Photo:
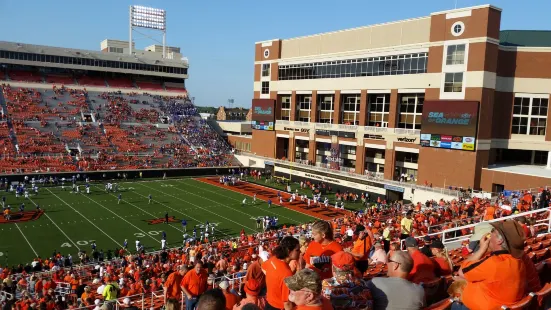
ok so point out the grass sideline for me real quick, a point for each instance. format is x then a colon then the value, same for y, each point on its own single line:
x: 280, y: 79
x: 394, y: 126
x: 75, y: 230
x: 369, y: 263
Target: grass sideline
x: 72, y: 221
x: 349, y: 205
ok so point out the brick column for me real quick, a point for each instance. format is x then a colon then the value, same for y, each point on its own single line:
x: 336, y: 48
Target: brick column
x: 360, y: 159
x: 314, y: 107
x: 312, y: 151
x: 389, y: 163
x: 363, y: 108
x: 292, y: 148
x: 548, y: 130
x: 337, y: 108
x: 393, y: 112
x: 293, y: 116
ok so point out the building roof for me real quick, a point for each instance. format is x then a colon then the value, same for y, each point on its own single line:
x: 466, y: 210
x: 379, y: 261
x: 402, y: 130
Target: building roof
x: 531, y: 38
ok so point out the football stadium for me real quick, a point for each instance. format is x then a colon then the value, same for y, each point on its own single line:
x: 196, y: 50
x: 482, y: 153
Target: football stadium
x: 403, y: 165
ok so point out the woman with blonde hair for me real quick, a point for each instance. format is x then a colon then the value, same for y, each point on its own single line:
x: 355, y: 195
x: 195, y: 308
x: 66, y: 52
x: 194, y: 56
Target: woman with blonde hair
x: 443, y: 263
x: 321, y: 248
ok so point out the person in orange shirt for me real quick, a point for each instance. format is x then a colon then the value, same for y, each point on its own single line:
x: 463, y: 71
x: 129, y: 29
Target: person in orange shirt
x: 305, y: 291
x: 490, y: 212
x: 172, y: 285
x: 423, y: 267
x: 276, y: 269
x: 361, y: 247
x: 231, y: 299
x: 319, y: 251
x: 194, y: 284
x: 499, y: 279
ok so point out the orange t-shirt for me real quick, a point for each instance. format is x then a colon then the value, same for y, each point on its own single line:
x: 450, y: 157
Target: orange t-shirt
x: 276, y: 271
x: 173, y: 285
x: 319, y: 256
x: 442, y: 266
x: 490, y: 211
x: 423, y: 268
x: 495, y: 281
x: 195, y: 283
x: 362, y: 247
x: 231, y: 300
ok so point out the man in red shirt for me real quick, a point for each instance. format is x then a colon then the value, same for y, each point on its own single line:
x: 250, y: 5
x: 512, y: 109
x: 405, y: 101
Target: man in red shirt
x: 194, y: 284
x: 423, y: 267
x: 231, y: 299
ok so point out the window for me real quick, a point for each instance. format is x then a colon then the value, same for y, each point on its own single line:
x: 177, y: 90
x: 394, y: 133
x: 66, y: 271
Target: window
x: 411, y: 111
x: 455, y: 55
x: 351, y: 109
x: 530, y: 116
x: 379, y: 107
x: 265, y: 69
x: 348, y: 149
x: 286, y: 108
x: 540, y: 157
x: 407, y: 157
x: 458, y: 28
x: 325, y: 108
x: 374, y: 66
x: 304, y: 104
x: 453, y: 82
x: 265, y: 88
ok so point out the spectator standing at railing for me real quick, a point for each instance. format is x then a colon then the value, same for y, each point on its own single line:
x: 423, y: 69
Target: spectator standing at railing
x: 194, y: 284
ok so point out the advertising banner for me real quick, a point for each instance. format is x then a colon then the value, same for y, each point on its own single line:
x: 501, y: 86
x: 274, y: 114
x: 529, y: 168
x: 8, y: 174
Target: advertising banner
x: 263, y: 115
x: 450, y: 124
x: 335, y: 158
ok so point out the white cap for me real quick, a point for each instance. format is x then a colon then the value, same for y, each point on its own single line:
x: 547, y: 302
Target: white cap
x: 96, y: 302
x: 224, y: 284
x: 264, y: 255
x: 126, y: 301
x: 244, y: 266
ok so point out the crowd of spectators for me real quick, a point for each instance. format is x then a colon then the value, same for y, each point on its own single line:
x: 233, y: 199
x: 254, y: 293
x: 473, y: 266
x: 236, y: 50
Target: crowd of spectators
x: 340, y: 264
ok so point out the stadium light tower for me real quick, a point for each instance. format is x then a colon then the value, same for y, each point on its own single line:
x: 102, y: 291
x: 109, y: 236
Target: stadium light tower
x: 149, y: 18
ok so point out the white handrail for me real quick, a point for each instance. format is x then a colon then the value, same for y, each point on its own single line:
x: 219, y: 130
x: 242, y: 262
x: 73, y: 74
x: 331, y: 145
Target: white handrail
x: 442, y: 234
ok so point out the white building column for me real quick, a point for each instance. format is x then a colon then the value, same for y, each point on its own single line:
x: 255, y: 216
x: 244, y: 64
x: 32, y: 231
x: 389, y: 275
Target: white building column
x: 549, y: 160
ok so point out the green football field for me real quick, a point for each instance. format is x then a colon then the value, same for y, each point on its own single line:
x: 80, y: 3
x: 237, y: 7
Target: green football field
x: 73, y: 220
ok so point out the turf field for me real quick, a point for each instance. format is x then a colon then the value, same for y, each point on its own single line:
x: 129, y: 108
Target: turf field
x: 71, y: 221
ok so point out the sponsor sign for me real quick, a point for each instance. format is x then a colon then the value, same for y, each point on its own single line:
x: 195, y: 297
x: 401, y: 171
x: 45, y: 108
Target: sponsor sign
x: 262, y: 125
x: 263, y: 114
x: 305, y: 130
x: 457, y: 145
x: 346, y: 134
x: 375, y: 137
x: 450, y: 124
x: 407, y: 140
x: 394, y: 188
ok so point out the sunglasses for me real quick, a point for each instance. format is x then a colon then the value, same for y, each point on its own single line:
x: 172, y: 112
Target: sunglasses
x: 393, y: 261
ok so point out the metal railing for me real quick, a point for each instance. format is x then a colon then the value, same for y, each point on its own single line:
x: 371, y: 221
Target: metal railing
x: 449, y: 235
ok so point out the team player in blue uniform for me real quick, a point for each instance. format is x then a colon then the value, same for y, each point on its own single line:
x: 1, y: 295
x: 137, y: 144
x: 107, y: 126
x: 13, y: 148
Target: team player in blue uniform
x: 184, y: 224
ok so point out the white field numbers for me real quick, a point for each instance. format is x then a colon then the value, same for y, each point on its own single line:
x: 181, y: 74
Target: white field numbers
x: 84, y: 242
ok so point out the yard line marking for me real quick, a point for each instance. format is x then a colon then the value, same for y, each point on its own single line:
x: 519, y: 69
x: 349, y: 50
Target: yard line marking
x: 254, y: 230
x: 263, y: 209
x: 152, y: 215
x: 99, y: 204
x: 175, y: 210
x: 22, y: 234
x: 218, y: 203
x: 84, y: 217
x: 56, y: 225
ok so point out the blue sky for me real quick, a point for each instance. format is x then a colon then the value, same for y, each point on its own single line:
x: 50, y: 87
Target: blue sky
x: 218, y: 36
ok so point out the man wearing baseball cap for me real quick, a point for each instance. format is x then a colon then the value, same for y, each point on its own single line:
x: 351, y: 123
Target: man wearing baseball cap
x: 346, y: 279
x: 500, y: 278
x: 305, y: 291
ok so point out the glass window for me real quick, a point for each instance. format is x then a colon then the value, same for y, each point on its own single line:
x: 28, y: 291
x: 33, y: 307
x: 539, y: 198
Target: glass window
x: 286, y: 108
x: 265, y: 88
x: 455, y: 54
x: 529, y: 116
x: 379, y: 107
x: 411, y: 111
x: 265, y: 69
x: 453, y: 82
